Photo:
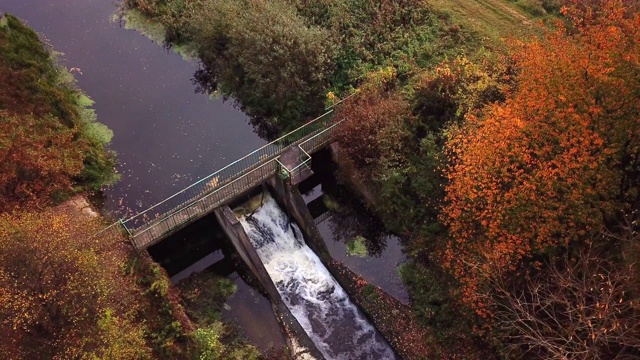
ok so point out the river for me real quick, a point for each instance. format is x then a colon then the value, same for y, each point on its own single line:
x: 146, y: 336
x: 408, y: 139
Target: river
x: 165, y: 134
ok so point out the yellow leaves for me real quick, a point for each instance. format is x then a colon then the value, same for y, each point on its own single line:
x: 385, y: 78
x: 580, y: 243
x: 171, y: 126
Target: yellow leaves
x: 51, y: 280
x: 331, y: 98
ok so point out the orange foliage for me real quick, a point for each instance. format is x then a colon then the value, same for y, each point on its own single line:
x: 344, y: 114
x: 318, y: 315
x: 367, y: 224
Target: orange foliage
x: 62, y: 291
x: 550, y: 164
x: 38, y: 158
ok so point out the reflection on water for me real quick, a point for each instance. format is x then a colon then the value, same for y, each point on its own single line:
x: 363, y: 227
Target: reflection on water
x: 166, y: 136
x: 253, y: 313
x: 201, y: 249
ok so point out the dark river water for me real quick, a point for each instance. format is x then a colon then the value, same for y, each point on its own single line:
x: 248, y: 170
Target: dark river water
x: 166, y: 136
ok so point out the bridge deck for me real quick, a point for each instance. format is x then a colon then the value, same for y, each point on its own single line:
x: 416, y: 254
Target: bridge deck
x: 171, y: 222
x: 291, y: 160
x: 289, y: 156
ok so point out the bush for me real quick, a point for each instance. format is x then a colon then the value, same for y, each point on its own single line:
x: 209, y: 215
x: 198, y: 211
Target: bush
x: 279, y: 77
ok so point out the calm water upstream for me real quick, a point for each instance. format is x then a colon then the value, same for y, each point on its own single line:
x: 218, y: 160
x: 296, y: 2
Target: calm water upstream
x: 166, y: 136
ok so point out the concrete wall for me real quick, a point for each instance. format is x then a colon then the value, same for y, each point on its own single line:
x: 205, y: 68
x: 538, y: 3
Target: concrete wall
x: 288, y: 323
x: 347, y: 169
x: 290, y: 198
x: 240, y: 240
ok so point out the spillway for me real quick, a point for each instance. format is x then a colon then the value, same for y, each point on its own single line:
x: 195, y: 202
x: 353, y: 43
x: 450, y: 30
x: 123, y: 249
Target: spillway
x: 335, y: 325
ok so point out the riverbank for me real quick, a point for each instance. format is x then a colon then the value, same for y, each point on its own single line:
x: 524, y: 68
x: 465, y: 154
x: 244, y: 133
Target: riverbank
x: 395, y: 320
x: 51, y: 143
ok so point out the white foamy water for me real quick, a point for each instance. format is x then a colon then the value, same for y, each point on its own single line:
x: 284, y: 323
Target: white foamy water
x: 321, y: 306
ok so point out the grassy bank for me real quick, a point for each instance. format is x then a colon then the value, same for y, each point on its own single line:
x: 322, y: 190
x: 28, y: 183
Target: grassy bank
x: 51, y: 144
x: 494, y: 19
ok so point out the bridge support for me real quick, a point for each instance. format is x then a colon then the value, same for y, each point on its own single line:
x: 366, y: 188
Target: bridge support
x: 240, y: 240
x: 288, y: 195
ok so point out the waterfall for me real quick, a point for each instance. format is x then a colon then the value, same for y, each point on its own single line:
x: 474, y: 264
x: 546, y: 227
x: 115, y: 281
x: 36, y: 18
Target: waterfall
x: 335, y: 325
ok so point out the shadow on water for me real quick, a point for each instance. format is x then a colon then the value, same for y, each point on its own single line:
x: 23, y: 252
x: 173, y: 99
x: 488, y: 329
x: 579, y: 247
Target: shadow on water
x: 201, y: 249
x: 354, y: 235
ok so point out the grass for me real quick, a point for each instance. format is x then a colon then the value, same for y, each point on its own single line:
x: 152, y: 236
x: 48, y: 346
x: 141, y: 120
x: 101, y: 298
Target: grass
x: 493, y: 19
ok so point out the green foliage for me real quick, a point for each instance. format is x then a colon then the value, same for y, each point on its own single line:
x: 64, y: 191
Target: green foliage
x: 119, y: 339
x: 279, y: 77
x: 204, y: 296
x: 375, y: 34
x: 413, y: 190
x: 357, y: 247
x: 431, y: 297
x: 210, y: 346
x: 156, y: 31
x: 159, y: 283
x: 539, y: 8
x: 369, y: 291
x: 227, y: 287
x: 331, y: 203
x: 167, y: 326
x: 208, y: 341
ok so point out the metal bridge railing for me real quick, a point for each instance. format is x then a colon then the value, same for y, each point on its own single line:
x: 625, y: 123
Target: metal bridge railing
x: 147, y: 236
x: 308, y: 146
x: 213, y: 190
x: 208, y: 184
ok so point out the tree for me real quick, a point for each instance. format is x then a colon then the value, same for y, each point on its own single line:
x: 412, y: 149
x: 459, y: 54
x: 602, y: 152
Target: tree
x: 265, y: 56
x: 557, y: 160
x: 38, y: 159
x: 62, y: 293
x: 585, y: 307
x: 49, y: 133
x: 375, y: 125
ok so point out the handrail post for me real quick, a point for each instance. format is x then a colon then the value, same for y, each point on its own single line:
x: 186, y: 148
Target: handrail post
x: 125, y: 227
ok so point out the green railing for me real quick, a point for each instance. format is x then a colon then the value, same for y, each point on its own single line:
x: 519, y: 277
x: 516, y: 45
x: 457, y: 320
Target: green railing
x: 214, y: 190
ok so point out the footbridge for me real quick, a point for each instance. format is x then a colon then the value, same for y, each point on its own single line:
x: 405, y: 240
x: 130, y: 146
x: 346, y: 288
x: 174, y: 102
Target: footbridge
x: 288, y: 157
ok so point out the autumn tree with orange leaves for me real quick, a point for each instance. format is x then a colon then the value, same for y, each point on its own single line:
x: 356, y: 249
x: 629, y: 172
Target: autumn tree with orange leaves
x: 555, y: 163
x: 62, y: 290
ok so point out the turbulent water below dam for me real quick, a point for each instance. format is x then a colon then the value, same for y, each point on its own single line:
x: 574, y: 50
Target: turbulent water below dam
x: 335, y: 325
